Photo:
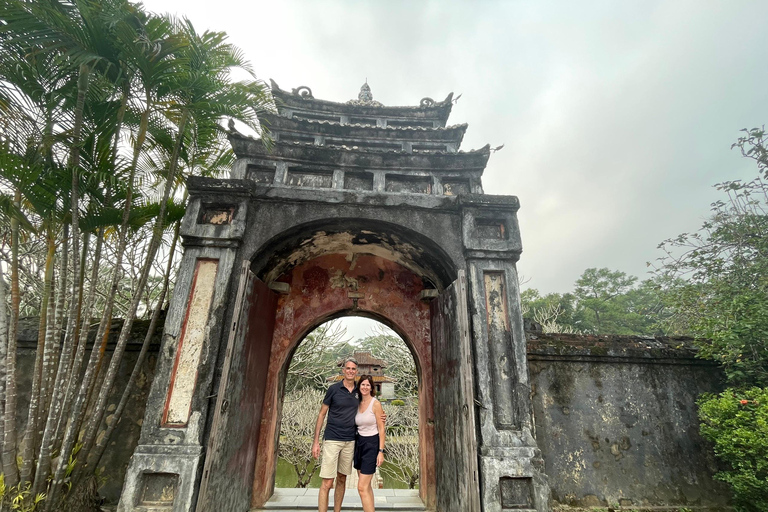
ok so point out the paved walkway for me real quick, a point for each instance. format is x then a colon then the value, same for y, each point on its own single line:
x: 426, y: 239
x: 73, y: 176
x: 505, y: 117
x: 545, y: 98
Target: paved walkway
x: 401, y: 500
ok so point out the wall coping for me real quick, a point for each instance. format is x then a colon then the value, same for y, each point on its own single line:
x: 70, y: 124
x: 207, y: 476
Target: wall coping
x: 677, y: 350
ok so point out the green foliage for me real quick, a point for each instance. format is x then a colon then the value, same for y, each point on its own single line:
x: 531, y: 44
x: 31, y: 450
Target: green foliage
x: 722, y: 271
x: 720, y: 294
x: 603, y: 302
x: 736, y: 422
x: 105, y: 109
x: 397, y: 403
x: 18, y: 497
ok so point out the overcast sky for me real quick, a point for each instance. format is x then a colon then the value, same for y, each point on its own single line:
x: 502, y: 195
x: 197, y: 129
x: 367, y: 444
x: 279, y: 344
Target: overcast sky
x: 617, y: 117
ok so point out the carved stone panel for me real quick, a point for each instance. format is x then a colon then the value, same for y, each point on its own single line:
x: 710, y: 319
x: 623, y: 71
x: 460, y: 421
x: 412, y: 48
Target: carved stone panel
x: 503, y: 373
x: 516, y: 493
x: 159, y: 489
x: 184, y: 376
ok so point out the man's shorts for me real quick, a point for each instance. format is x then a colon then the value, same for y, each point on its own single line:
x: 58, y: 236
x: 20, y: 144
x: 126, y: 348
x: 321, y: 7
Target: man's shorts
x: 337, y: 457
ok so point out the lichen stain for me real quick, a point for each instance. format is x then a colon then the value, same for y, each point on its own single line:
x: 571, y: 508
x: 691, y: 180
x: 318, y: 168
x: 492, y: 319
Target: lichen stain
x: 575, y: 466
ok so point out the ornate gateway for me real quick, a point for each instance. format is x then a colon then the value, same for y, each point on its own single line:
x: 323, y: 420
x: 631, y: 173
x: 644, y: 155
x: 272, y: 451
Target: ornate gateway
x: 357, y: 209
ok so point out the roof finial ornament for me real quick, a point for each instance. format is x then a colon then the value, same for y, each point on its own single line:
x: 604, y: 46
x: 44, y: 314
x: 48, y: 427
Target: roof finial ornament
x: 365, y: 97
x: 303, y: 91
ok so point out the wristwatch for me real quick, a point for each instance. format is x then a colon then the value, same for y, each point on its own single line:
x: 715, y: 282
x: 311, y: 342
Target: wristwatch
x: 382, y: 450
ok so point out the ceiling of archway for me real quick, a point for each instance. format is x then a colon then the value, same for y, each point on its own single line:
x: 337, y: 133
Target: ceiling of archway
x: 351, y: 243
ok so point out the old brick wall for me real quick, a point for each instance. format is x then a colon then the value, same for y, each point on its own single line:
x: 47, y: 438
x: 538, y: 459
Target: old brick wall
x: 616, y: 420
x: 126, y: 436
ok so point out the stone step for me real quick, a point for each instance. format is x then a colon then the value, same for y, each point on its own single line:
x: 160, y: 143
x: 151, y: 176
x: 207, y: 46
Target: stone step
x: 401, y: 500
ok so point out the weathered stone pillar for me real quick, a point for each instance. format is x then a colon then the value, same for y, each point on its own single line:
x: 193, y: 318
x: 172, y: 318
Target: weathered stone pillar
x: 166, y: 465
x: 511, y: 468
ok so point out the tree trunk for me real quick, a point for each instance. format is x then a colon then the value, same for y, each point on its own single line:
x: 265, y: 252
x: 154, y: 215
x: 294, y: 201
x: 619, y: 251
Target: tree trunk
x: 82, y: 88
x: 49, y: 356
x: 84, y: 329
x: 48, y: 441
x: 9, y: 440
x: 31, y: 434
x: 3, y: 354
x: 95, y: 457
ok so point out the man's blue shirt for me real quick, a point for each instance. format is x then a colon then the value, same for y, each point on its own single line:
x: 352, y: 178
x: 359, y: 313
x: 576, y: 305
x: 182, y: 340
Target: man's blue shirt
x: 342, y: 408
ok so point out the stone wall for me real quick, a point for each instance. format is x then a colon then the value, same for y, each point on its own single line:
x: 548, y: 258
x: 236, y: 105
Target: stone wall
x: 126, y: 436
x: 616, y: 420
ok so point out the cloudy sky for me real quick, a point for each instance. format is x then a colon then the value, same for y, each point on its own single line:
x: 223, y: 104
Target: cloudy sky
x: 617, y: 117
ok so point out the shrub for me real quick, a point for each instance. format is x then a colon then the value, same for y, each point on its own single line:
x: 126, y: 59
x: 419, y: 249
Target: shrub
x: 736, y: 421
x: 397, y: 403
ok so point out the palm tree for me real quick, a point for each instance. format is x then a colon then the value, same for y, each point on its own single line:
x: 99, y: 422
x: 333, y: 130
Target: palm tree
x: 76, y: 77
x: 200, y: 94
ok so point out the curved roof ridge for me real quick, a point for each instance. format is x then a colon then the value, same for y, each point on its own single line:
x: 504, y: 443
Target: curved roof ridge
x: 359, y: 125
x: 484, y: 149
x: 305, y: 93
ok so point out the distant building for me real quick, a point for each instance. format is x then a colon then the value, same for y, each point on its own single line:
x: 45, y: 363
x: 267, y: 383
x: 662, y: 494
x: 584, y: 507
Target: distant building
x: 373, y: 366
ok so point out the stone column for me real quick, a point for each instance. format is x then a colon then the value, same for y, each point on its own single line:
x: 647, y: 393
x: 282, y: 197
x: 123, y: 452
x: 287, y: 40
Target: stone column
x: 164, y: 470
x: 511, y: 468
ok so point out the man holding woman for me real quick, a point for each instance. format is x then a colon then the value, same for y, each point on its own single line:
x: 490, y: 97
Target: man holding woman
x: 343, y: 404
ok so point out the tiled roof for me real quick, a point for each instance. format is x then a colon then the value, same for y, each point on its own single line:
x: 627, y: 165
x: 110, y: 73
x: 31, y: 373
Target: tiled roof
x: 401, y: 128
x: 484, y: 149
x: 365, y: 357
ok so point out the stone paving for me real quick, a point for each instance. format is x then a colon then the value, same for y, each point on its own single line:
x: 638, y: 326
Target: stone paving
x: 401, y: 500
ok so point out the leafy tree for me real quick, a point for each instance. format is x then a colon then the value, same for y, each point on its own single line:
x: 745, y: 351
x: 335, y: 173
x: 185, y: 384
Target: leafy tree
x: 720, y: 293
x: 599, y: 292
x: 736, y: 422
x: 104, y: 109
x: 555, y: 312
x: 604, y: 302
x: 723, y: 271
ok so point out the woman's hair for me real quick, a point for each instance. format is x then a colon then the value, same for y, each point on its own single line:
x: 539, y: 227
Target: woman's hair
x: 370, y: 381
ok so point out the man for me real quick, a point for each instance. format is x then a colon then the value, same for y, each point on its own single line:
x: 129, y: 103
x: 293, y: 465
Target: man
x: 340, y: 404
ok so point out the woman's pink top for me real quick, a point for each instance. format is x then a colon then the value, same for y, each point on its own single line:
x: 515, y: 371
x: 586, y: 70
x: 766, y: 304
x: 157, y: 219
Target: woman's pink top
x: 366, y: 421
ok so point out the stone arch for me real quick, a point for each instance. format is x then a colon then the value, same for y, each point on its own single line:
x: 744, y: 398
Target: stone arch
x: 337, y: 283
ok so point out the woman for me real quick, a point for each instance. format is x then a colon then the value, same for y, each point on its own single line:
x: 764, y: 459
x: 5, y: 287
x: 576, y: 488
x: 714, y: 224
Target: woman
x: 369, y: 444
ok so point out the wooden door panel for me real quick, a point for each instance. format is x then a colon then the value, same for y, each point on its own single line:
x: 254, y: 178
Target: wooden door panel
x: 455, y: 437
x: 230, y: 460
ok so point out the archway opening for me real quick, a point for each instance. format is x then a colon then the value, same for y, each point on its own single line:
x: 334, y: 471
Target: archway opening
x: 316, y: 364
x: 327, y: 276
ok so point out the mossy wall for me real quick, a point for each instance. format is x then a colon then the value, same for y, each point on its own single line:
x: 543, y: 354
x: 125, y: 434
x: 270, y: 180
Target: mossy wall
x: 616, y: 420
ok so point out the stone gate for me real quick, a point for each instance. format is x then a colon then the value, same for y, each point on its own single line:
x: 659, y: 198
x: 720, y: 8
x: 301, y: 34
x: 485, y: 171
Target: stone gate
x: 357, y: 209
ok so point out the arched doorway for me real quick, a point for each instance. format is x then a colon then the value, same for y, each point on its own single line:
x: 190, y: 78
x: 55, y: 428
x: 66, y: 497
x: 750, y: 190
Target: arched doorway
x: 320, y: 290
x: 315, y: 365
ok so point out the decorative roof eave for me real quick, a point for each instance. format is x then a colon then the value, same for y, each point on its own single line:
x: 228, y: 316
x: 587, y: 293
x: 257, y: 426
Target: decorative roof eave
x: 454, y: 133
x: 301, y: 98
x: 475, y: 160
